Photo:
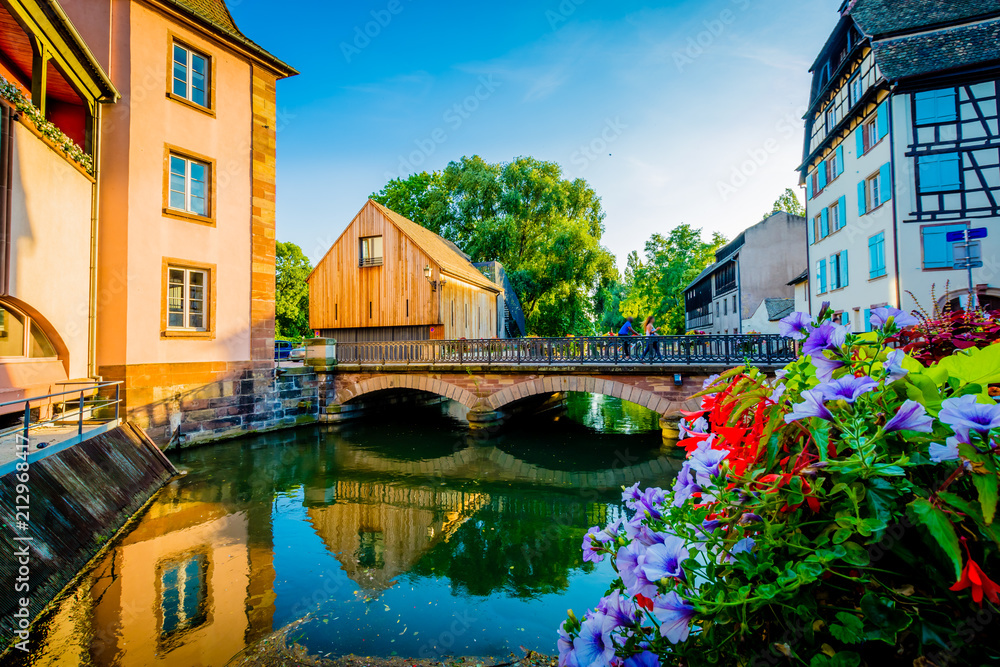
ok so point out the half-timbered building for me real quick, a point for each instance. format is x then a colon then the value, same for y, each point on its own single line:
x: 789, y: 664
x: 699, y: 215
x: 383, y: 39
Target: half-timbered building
x: 388, y: 278
x: 902, y: 146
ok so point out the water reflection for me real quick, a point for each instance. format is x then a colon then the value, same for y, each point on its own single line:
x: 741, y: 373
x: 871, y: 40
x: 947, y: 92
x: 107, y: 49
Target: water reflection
x: 379, y: 540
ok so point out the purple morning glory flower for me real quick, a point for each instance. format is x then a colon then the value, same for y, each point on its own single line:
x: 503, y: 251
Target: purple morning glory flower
x: 911, y: 416
x: 629, y: 561
x: 631, y: 495
x: 674, y: 615
x: 778, y: 392
x: 947, y: 452
x: 709, y: 381
x: 621, y: 610
x: 650, y: 501
x: 706, y: 462
x: 893, y: 365
x: 847, y: 388
x: 748, y: 518
x: 881, y: 316
x: 795, y: 326
x: 966, y: 414
x: 590, y: 554
x: 811, y: 406
x: 825, y: 366
x: 685, y: 485
x: 644, y: 659
x: 594, y: 646
x: 664, y: 560
x: 745, y: 545
x: 567, y: 656
x: 826, y: 336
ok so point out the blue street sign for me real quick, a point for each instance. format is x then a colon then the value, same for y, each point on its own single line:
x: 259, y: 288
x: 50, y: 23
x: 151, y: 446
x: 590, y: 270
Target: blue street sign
x: 957, y: 237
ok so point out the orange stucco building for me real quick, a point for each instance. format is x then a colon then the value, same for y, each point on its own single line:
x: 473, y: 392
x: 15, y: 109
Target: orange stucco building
x: 186, y: 176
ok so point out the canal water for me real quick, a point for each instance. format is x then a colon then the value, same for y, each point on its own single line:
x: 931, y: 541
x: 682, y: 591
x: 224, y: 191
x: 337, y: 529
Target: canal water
x: 400, y: 537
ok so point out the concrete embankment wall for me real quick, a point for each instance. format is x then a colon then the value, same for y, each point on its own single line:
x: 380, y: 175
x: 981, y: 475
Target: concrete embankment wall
x: 78, y: 499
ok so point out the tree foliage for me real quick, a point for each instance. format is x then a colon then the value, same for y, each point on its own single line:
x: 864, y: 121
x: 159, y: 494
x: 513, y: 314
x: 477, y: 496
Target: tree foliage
x: 291, y: 302
x: 546, y: 230
x: 654, y: 284
x: 788, y: 202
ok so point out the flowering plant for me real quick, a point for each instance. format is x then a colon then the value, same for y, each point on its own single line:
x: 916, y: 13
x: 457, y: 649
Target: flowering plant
x: 45, y: 127
x: 841, y: 514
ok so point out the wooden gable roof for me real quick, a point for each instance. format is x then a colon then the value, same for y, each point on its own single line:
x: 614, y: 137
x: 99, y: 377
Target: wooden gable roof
x: 438, y: 249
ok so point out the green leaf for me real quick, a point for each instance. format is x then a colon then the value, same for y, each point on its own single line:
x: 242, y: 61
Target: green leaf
x: 974, y: 366
x: 940, y: 528
x: 856, y: 554
x: 850, y: 630
x: 986, y: 485
x: 883, y: 614
x: 842, y: 535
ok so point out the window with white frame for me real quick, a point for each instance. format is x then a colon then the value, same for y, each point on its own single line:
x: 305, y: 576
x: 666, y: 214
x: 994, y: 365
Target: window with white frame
x: 856, y: 89
x: 839, y: 275
x: 871, y: 134
x: 831, y: 117
x: 872, y: 191
x: 189, y: 185
x: 187, y: 291
x: 190, y: 75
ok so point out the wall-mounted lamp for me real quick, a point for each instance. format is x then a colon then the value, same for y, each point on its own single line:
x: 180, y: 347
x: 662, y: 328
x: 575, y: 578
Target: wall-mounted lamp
x: 434, y: 283
x: 678, y: 380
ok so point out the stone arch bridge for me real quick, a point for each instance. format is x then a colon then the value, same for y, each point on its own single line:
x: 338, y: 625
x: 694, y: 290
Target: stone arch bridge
x: 491, y: 377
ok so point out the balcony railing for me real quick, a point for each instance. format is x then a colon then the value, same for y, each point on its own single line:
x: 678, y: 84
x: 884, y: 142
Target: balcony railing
x: 75, y: 407
x: 370, y: 261
x: 759, y: 349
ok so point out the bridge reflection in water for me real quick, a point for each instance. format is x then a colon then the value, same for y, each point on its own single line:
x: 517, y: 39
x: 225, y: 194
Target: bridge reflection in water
x: 400, y: 539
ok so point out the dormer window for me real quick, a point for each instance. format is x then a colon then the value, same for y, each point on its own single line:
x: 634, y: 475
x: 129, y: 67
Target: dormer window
x: 370, y: 251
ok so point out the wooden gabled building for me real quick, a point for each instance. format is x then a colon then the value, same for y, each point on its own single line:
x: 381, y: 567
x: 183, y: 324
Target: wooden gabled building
x: 388, y: 278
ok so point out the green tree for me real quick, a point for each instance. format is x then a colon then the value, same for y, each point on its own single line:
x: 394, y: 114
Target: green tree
x: 655, y: 285
x: 291, y: 301
x: 546, y: 230
x: 787, y: 203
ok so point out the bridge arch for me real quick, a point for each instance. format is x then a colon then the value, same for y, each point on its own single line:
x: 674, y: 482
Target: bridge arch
x: 589, y: 385
x: 415, y: 382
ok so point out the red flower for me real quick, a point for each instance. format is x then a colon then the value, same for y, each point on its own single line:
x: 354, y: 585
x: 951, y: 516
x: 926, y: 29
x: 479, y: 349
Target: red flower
x: 973, y: 577
x: 644, y: 602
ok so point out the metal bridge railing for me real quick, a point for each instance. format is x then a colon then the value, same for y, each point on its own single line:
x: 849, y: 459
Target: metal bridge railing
x: 656, y: 350
x: 68, y: 407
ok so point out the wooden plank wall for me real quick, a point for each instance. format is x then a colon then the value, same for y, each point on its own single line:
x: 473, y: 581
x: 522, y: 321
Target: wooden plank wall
x: 376, y: 334
x: 343, y: 295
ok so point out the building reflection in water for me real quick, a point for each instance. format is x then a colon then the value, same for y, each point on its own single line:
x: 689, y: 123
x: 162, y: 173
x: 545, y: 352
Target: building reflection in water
x: 193, y: 583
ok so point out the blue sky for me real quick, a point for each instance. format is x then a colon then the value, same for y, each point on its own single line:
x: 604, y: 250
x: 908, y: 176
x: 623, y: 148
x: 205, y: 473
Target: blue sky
x: 677, y: 111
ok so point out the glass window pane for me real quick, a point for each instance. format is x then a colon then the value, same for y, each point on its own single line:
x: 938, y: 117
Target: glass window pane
x: 180, y: 86
x: 199, y: 206
x: 40, y: 345
x: 177, y: 276
x: 196, y: 292
x: 11, y: 333
x: 197, y: 321
x: 197, y: 278
x: 198, y: 172
x: 175, y: 320
x: 198, y: 64
x: 178, y: 166
x: 198, y: 93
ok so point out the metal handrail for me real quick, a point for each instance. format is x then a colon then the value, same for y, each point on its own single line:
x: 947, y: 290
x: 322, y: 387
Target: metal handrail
x: 767, y: 349
x: 80, y: 396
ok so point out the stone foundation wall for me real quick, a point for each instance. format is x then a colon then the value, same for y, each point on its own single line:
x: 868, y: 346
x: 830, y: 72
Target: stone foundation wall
x: 188, y: 404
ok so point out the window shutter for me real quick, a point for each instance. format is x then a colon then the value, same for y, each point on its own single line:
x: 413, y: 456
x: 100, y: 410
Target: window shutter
x: 862, y: 206
x: 937, y: 250
x: 809, y: 187
x: 822, y: 175
x: 821, y: 276
x: 824, y: 223
x: 883, y: 119
x: 872, y: 260
x: 810, y: 224
x: 845, y: 275
x: 842, y: 212
x: 868, y: 319
x: 840, y: 160
x: 859, y: 135
x: 885, y: 182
